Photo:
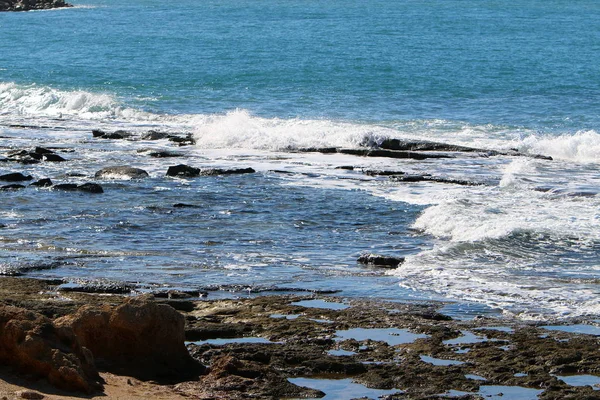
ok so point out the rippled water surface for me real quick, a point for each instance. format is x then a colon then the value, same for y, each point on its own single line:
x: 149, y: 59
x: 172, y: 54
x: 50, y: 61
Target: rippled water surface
x: 255, y: 82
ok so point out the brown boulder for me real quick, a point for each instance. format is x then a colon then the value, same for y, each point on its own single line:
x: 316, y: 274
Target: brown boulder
x: 140, y: 337
x: 33, y: 345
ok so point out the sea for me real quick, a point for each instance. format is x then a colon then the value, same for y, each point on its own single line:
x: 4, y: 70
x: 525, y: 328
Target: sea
x: 256, y: 82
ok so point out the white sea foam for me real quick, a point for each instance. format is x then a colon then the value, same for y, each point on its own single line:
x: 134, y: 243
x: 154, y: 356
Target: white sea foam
x: 498, y: 285
x: 583, y: 146
x: 39, y: 100
x: 491, y: 213
x: 239, y: 129
x: 481, y: 249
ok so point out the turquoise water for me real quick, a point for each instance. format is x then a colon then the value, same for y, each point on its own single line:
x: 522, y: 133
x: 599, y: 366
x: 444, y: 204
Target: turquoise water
x: 529, y: 64
x: 251, y: 81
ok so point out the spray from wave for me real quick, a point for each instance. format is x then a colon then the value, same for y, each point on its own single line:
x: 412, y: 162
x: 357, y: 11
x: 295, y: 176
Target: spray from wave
x: 583, y: 146
x: 240, y: 129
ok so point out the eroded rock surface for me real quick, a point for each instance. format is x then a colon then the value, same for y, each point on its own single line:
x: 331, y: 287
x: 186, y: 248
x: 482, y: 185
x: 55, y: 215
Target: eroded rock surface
x: 139, y: 337
x: 32, y: 344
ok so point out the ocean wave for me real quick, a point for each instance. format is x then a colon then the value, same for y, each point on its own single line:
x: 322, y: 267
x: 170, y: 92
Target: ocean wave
x: 36, y: 100
x: 490, y: 213
x: 582, y: 146
x: 239, y: 129
x: 33, y: 101
x: 495, y: 279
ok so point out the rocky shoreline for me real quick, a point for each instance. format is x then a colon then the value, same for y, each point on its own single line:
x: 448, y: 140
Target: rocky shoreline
x: 176, y: 345
x: 28, y: 5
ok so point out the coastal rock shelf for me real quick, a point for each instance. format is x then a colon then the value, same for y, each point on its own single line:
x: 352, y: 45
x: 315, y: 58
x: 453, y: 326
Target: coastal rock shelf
x: 28, y: 5
x: 236, y: 347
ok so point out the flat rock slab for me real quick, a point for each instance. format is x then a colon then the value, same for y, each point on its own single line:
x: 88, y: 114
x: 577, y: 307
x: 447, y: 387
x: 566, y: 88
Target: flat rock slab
x: 185, y: 171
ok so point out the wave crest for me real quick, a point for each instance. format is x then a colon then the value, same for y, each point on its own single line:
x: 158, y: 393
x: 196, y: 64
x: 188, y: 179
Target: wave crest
x: 239, y: 129
x: 583, y: 146
x: 35, y: 100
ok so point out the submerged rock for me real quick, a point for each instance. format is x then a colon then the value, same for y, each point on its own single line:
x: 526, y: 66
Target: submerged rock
x: 423, y: 145
x: 12, y: 187
x: 429, y: 178
x: 218, y: 171
x: 380, y: 261
x: 32, y: 344
x: 121, y: 172
x: 186, y: 171
x: 86, y: 187
x: 139, y: 337
x: 372, y: 172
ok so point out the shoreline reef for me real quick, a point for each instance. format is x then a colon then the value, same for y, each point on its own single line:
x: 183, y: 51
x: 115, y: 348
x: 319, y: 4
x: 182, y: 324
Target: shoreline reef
x: 29, y: 5
x: 174, y: 345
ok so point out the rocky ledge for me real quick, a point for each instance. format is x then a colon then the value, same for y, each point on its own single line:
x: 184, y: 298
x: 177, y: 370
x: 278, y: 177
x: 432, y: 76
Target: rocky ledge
x: 28, y: 5
x: 183, y: 345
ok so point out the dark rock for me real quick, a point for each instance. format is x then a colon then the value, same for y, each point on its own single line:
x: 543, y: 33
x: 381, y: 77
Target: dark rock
x: 184, y: 171
x: 121, y: 172
x: 24, y: 157
x: 86, y: 187
x: 164, y: 154
x: 392, y: 154
x: 90, y: 188
x: 218, y: 171
x: 12, y: 187
x: 346, y: 167
x: 183, y: 141
x: 32, y: 344
x: 27, y: 5
x: 423, y: 145
x: 140, y: 337
x: 66, y: 186
x: 371, y: 172
x: 190, y: 172
x: 42, y: 150
x: 428, y: 178
x: 98, y: 133
x: 322, y: 150
x: 116, y: 135
x: 35, y: 156
x: 15, y: 177
x: 46, y: 182
x: 53, y: 157
x: 380, y: 261
x: 154, y: 135
x: 183, y: 205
